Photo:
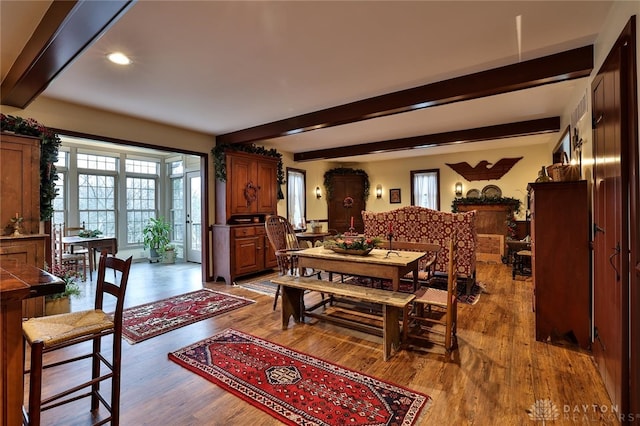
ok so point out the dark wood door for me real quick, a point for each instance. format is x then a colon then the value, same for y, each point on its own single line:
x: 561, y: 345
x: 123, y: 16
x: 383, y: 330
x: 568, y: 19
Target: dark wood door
x: 610, y: 237
x: 340, y: 215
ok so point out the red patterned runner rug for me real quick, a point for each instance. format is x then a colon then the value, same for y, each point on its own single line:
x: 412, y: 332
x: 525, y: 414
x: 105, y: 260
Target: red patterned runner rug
x: 296, y: 388
x: 152, y: 319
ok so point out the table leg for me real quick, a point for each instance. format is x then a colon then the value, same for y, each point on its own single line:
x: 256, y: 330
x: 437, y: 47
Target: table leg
x: 390, y: 330
x: 292, y: 304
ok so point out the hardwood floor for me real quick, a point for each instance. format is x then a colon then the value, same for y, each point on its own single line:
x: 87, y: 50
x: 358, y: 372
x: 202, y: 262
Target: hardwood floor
x: 499, y: 373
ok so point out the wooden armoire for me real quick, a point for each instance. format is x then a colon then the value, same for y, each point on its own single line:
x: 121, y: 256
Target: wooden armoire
x: 20, y: 195
x: 345, y: 185
x: 248, y: 195
x: 560, y: 261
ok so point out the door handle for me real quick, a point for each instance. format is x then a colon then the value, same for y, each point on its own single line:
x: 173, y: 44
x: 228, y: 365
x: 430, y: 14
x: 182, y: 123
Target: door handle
x: 616, y: 252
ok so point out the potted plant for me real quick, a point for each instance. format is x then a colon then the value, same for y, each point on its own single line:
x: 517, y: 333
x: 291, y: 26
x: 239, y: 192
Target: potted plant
x: 156, y: 236
x: 169, y: 254
x: 60, y: 303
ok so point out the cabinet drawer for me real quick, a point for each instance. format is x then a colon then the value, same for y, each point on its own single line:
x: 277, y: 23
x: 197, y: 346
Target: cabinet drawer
x: 260, y: 230
x: 244, y: 232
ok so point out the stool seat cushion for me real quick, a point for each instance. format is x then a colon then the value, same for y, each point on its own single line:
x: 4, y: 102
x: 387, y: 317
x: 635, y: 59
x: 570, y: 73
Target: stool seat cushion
x: 432, y: 296
x: 55, y: 329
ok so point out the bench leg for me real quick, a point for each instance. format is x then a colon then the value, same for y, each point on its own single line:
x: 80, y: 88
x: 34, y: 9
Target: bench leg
x: 292, y: 304
x: 390, y: 330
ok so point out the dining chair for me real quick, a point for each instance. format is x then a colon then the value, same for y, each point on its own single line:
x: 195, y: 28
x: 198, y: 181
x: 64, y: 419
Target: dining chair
x: 63, y: 256
x: 433, y: 310
x: 283, y: 239
x: 43, y: 335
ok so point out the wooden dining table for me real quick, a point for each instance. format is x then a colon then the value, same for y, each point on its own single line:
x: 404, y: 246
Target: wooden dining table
x: 379, y: 263
x: 93, y: 245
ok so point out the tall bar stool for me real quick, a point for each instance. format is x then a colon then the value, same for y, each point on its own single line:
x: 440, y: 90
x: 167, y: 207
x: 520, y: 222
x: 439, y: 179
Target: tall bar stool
x: 47, y: 334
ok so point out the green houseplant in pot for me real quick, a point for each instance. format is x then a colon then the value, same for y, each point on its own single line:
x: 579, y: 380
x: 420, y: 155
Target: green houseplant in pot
x: 60, y: 303
x: 169, y: 255
x: 156, y: 236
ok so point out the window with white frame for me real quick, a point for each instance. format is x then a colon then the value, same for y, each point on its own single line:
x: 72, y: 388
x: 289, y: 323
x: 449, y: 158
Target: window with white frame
x: 296, y: 197
x: 141, y: 194
x: 97, y: 192
x: 59, y: 202
x: 425, y: 190
x: 176, y: 171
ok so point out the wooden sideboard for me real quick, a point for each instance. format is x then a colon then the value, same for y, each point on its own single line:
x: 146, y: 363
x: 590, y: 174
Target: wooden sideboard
x: 560, y: 261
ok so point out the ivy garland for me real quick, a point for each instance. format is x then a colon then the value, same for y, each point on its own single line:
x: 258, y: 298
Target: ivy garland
x: 516, y: 203
x: 220, y: 162
x: 49, y: 144
x: 328, y: 175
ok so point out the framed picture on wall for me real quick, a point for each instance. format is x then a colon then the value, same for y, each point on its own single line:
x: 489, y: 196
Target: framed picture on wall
x: 394, y: 196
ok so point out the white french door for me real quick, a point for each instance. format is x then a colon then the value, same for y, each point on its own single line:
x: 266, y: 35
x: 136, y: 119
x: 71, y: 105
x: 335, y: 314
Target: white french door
x: 193, y: 216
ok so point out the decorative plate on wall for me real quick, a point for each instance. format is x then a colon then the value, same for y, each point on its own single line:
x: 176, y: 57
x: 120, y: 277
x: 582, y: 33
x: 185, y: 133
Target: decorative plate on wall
x: 473, y: 193
x: 491, y: 191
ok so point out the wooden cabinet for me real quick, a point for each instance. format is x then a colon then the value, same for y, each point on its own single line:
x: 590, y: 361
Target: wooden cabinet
x: 249, y: 194
x: 250, y: 189
x: 20, y: 182
x: 560, y: 261
x: 241, y: 250
x: 20, y: 194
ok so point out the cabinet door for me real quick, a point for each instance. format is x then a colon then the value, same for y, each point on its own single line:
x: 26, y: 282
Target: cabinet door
x: 267, y: 184
x: 30, y: 252
x: 270, y: 260
x: 241, y: 177
x: 246, y: 255
x: 20, y: 182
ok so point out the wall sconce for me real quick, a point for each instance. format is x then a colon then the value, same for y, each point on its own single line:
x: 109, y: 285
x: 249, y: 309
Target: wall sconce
x: 379, y: 191
x: 458, y: 189
x: 318, y: 193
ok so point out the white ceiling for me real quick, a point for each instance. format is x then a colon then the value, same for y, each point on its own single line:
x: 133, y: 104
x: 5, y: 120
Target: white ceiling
x: 218, y: 66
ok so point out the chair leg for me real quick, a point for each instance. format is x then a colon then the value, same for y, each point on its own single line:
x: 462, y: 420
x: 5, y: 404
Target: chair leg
x: 115, y: 381
x: 95, y: 373
x: 35, y: 383
x: 275, y: 299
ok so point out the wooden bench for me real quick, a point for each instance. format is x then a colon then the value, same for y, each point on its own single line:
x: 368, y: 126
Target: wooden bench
x: 392, y: 302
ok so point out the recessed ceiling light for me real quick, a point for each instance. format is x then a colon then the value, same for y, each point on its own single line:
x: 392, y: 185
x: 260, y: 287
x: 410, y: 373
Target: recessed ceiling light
x: 119, y: 58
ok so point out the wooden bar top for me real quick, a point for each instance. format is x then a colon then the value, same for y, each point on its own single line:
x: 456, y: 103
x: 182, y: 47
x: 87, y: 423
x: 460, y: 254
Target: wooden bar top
x: 19, y: 281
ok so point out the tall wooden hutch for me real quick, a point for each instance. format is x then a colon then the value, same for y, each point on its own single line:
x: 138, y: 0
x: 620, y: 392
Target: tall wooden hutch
x: 560, y: 261
x: 248, y: 195
x: 20, y: 195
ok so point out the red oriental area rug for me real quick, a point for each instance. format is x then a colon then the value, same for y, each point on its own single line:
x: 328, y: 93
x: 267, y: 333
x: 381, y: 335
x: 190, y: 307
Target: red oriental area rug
x: 152, y: 319
x: 296, y: 388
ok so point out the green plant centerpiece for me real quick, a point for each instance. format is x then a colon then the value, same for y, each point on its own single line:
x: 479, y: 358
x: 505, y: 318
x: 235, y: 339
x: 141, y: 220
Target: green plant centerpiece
x: 352, y: 244
x: 156, y: 235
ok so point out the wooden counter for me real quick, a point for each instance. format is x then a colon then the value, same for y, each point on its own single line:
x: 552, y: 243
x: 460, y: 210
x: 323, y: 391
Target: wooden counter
x: 18, y: 281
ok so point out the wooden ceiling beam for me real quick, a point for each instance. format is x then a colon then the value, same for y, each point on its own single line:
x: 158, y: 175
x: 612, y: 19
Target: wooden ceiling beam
x: 67, y: 28
x: 568, y: 65
x: 522, y: 128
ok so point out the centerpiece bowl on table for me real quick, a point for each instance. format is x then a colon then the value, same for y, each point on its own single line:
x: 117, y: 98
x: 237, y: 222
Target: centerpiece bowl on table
x: 359, y: 246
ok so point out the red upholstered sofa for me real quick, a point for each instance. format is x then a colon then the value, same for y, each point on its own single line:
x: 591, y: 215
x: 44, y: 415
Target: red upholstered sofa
x: 419, y: 224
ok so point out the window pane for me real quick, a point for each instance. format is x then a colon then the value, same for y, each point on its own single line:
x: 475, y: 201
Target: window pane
x: 97, y: 202
x: 141, y: 205
x: 296, y: 197
x: 177, y: 208
x: 96, y: 162
x: 425, y: 189
x: 59, y: 201
x: 141, y: 166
